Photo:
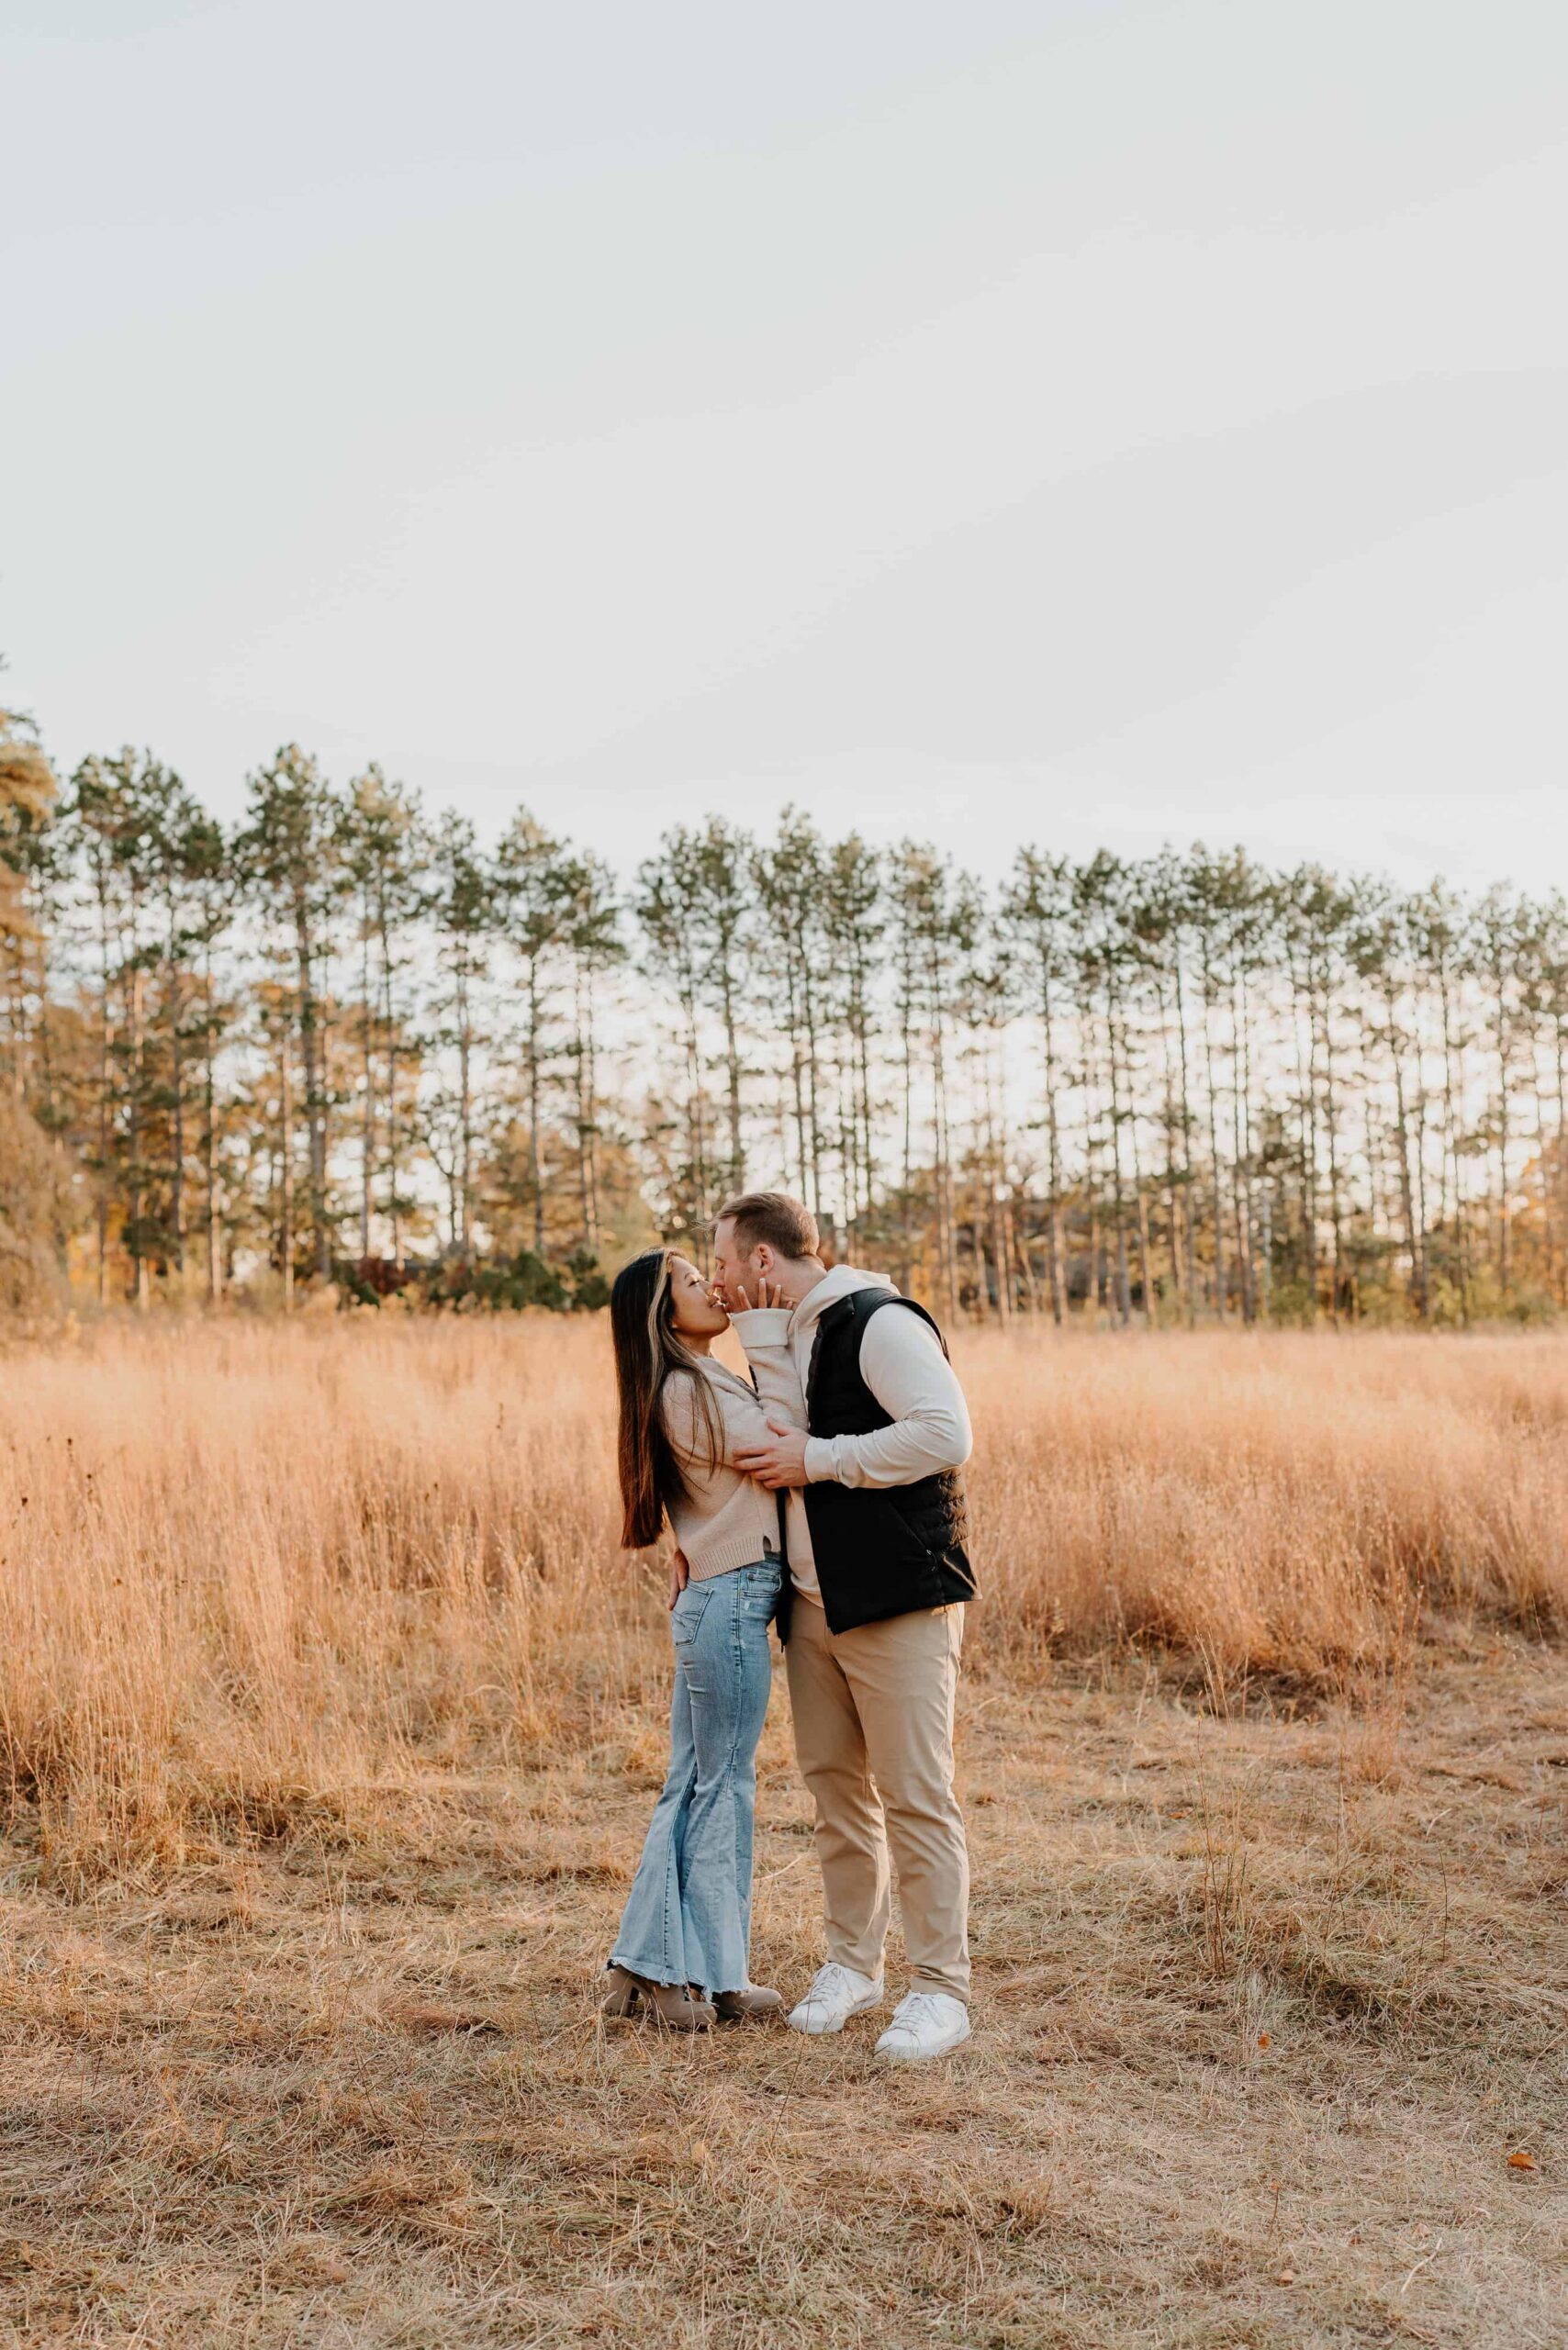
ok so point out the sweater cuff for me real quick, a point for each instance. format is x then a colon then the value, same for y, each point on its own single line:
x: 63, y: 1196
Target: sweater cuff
x: 822, y: 1465
x: 762, y: 1325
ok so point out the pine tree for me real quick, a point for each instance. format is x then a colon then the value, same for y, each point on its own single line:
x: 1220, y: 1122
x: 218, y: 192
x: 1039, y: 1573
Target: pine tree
x: 1037, y: 909
x: 790, y: 885
x: 531, y: 902
x: 382, y: 847
x: 291, y: 852
x: 590, y: 934
x: 852, y: 927
x: 462, y: 905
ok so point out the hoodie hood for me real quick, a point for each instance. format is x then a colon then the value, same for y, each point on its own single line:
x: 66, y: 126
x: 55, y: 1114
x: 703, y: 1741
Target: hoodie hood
x: 840, y: 1283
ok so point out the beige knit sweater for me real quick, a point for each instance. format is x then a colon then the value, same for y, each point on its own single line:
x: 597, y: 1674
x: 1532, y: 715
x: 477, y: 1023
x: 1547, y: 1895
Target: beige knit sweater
x: 727, y: 1520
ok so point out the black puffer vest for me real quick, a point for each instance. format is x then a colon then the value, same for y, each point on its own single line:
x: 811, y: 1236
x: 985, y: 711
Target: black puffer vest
x: 878, y: 1553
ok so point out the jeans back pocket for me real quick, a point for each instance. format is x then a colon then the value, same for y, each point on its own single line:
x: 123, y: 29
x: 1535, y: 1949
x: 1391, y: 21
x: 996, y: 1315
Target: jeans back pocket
x: 688, y: 1613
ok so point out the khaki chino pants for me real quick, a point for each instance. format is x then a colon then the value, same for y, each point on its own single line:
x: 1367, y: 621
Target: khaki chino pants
x: 873, y: 1711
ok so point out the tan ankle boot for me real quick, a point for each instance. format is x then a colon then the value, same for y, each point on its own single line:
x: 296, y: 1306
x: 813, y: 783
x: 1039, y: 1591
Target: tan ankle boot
x: 753, y: 2005
x: 669, y: 2004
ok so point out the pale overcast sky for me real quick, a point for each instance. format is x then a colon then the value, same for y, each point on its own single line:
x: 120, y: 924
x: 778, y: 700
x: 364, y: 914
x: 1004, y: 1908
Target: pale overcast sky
x: 1084, y: 421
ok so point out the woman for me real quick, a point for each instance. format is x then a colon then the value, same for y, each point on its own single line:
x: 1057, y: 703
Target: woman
x: 687, y: 1926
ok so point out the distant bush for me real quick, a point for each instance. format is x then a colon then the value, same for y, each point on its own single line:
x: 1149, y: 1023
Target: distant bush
x: 497, y: 1285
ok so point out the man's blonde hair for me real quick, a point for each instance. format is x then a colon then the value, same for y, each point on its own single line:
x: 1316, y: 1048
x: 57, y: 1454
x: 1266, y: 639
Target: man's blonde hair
x: 787, y: 1226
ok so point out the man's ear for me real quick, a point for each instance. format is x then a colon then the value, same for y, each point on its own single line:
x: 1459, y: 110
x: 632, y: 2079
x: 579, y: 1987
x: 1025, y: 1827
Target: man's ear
x: 763, y: 1258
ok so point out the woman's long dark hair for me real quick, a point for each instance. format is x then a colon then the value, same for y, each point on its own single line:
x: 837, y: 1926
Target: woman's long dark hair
x: 648, y: 1349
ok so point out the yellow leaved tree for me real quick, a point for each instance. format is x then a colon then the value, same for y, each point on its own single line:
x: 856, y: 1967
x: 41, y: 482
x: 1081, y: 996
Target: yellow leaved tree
x: 34, y: 1183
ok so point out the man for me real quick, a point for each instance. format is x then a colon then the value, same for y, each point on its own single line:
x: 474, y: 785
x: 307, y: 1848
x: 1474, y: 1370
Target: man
x: 875, y: 1529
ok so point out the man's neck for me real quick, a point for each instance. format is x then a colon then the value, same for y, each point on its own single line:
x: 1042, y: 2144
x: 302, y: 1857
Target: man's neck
x: 801, y: 1279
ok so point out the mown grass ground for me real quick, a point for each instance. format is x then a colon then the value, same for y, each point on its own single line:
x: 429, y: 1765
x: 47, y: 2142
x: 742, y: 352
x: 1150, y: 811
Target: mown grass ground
x: 1271, y: 2050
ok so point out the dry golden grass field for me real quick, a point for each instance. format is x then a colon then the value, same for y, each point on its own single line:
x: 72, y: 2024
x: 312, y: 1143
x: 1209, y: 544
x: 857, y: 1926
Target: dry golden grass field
x: 330, y: 1721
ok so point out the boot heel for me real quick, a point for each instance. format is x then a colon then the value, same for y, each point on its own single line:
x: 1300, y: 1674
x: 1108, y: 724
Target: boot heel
x: 668, y: 2003
x: 621, y: 2001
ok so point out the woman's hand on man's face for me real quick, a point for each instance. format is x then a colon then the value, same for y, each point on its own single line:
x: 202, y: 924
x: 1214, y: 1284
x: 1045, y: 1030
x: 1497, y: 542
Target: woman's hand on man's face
x: 767, y: 1293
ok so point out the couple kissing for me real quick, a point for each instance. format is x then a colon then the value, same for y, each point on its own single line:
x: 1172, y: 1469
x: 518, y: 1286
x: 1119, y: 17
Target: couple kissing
x: 822, y: 1496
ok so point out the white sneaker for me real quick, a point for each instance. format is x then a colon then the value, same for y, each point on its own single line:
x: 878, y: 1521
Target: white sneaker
x: 925, y: 2023
x: 837, y: 1994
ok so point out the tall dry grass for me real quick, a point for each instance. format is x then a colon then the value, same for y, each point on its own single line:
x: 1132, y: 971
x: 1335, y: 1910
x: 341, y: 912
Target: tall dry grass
x: 1281, y: 1503
x: 251, y: 1569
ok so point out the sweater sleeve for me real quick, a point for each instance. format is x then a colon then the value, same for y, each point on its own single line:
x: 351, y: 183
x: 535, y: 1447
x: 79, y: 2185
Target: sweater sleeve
x: 741, y: 1421
x: 764, y: 1332
x: 902, y: 1363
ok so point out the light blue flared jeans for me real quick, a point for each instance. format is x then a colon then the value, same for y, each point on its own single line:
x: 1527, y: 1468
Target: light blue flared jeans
x: 688, y: 1919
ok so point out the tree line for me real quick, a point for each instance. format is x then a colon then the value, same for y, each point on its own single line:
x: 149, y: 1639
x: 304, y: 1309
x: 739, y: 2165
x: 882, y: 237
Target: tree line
x: 345, y: 1041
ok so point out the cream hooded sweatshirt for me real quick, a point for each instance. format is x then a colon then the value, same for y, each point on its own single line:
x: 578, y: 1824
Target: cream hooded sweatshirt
x: 902, y: 1362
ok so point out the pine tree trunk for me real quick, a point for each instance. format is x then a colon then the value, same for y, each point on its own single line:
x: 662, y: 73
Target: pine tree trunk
x: 1307, y: 1081
x: 1053, y: 1153
x: 1241, y: 1145
x: 1504, y: 1256
x: 698, y: 1137
x: 466, y: 1108
x: 138, y: 1080
x: 863, y: 1055
x: 535, y: 1110
x: 733, y: 1070
x: 176, y: 1056
x: 1188, y: 1189
x: 1146, y: 1275
x: 210, y: 1131
x: 1452, y: 1139
x: 1118, y: 1195
x: 1331, y: 1145
x: 367, y: 1119
x: 1208, y: 988
x: 209, y: 1156
x: 389, y: 1026
x: 285, y: 1246
x: 315, y: 1118
x: 582, y: 1004
x: 1002, y: 1253
x: 810, y: 1191
x: 797, y: 1068
x: 1172, y: 1189
x: 106, y: 1078
x: 946, y: 1233
x: 592, y: 1041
